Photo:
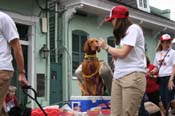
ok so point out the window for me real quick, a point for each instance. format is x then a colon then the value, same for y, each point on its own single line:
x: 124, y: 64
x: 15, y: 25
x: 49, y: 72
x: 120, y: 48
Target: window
x: 140, y: 3
x: 40, y: 84
x: 143, y: 5
x: 78, y: 39
x: 23, y: 31
x: 111, y: 42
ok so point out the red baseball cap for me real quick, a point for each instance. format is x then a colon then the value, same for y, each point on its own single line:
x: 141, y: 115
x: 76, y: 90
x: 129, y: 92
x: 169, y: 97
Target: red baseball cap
x: 119, y: 12
x: 165, y: 37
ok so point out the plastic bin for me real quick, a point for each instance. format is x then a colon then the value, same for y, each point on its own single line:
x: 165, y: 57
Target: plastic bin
x: 84, y: 103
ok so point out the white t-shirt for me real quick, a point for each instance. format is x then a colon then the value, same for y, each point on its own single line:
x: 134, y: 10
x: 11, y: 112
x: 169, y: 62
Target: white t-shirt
x: 8, y: 32
x: 167, y: 65
x: 135, y: 60
x: 10, y: 105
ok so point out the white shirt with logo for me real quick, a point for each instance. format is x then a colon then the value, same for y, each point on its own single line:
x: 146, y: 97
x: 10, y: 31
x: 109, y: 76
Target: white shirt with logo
x: 135, y: 61
x: 8, y: 32
x: 167, y: 64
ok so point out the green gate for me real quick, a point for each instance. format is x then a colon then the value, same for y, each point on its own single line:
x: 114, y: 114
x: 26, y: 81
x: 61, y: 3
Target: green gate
x: 55, y: 83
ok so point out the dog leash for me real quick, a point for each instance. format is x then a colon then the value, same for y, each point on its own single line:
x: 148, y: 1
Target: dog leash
x: 33, y: 98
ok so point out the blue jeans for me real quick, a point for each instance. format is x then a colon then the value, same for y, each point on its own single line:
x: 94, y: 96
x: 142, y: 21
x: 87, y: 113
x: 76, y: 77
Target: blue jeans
x: 165, y: 94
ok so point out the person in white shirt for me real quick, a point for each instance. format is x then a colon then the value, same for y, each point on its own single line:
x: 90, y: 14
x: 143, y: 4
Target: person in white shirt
x: 11, y: 99
x: 129, y: 82
x: 173, y: 44
x: 165, y: 66
x: 9, y: 38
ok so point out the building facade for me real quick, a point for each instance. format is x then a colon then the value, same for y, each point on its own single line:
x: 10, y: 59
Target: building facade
x: 62, y: 26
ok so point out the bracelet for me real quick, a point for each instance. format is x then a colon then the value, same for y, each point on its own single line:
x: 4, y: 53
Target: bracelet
x: 106, y: 48
x: 22, y: 72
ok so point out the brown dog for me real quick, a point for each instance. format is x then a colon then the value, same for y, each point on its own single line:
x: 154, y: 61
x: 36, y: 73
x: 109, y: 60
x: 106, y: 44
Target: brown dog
x: 93, y: 74
x: 92, y: 83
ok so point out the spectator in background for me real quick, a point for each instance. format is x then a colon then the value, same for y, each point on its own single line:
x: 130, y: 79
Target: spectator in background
x: 165, y: 66
x: 173, y: 44
x: 172, y: 104
x: 11, y: 99
x: 152, y: 87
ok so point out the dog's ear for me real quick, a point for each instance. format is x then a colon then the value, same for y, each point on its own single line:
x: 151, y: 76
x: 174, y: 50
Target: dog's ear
x: 86, y: 46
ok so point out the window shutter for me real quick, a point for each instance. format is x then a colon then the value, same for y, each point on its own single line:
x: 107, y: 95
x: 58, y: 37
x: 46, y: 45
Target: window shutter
x: 55, y: 31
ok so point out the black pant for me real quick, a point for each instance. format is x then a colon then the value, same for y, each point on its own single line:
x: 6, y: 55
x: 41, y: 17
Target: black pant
x: 142, y: 110
x: 165, y: 94
x: 154, y: 97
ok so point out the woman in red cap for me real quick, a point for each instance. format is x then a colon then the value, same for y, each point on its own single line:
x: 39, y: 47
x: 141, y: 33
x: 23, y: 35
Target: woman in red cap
x: 129, y: 82
x: 165, y: 66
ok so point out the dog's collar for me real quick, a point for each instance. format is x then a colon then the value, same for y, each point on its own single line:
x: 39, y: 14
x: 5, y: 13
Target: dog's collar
x: 90, y: 56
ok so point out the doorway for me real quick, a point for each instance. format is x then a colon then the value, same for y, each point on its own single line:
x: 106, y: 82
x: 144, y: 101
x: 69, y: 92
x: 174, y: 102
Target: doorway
x: 56, y: 93
x: 23, y: 33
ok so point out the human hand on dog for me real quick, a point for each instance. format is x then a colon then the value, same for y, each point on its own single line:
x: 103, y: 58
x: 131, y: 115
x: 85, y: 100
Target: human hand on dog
x: 102, y: 43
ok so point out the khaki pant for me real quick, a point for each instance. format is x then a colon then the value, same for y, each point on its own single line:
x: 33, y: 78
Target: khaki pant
x: 127, y: 93
x: 5, y: 77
